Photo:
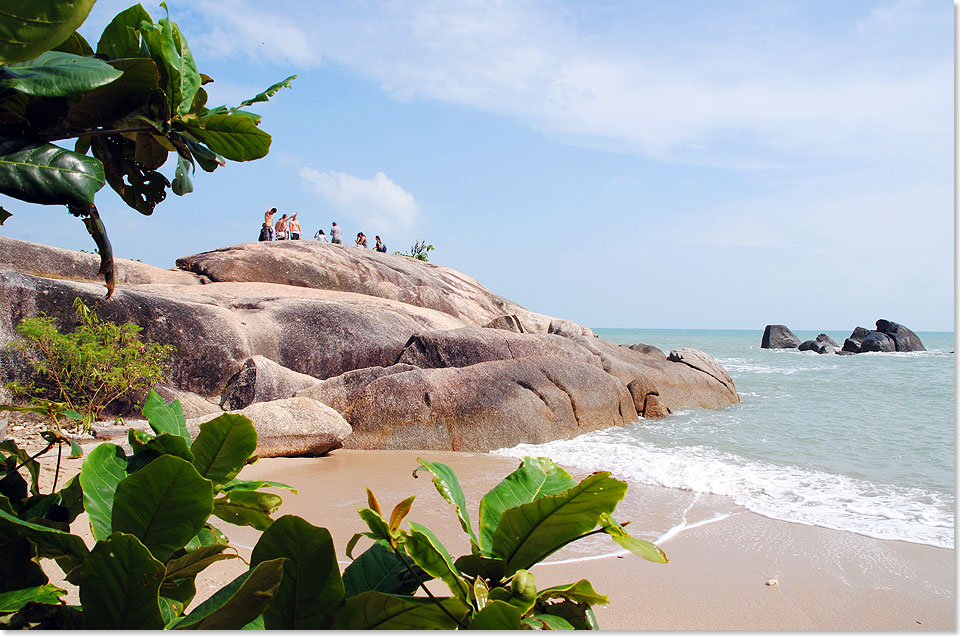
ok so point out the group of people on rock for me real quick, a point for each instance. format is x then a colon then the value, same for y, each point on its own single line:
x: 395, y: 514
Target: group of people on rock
x: 287, y: 228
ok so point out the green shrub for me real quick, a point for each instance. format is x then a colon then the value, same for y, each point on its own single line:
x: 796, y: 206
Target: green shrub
x: 418, y: 251
x: 92, y: 367
x: 150, y: 515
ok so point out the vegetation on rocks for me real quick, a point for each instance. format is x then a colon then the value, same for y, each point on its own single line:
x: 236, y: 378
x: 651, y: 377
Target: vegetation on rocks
x: 128, y: 104
x: 90, y: 368
x: 151, y: 514
x: 418, y: 251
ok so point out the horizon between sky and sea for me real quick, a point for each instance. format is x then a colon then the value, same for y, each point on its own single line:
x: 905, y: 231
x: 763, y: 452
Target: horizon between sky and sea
x: 861, y: 443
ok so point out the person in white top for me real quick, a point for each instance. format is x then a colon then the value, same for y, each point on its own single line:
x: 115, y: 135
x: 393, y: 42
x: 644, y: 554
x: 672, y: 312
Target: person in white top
x: 320, y: 236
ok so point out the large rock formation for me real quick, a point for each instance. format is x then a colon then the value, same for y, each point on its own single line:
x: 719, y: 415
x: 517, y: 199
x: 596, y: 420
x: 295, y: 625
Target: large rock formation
x: 395, y: 345
x: 778, y: 337
x: 903, y: 338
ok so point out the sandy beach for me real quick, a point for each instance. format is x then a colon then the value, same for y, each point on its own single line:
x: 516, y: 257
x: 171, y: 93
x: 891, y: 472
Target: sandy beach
x: 723, y: 564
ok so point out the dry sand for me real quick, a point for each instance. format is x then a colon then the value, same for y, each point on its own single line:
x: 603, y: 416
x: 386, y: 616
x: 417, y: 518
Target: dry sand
x: 722, y: 557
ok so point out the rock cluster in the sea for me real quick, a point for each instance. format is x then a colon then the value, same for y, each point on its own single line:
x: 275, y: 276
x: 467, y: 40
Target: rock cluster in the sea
x: 887, y: 337
x: 400, y: 353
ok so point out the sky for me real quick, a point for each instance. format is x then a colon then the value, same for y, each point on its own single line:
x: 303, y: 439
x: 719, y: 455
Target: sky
x: 643, y: 164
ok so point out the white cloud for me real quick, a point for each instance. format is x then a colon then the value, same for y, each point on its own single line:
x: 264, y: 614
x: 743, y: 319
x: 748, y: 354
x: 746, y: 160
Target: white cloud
x: 377, y: 203
x: 736, y: 93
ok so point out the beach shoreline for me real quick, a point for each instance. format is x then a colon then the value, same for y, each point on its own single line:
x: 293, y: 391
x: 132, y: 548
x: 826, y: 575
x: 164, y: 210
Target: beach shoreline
x: 729, y: 569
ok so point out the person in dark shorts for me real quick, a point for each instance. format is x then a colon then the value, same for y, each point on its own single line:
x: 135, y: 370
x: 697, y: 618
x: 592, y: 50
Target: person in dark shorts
x: 268, y: 221
x: 294, y: 227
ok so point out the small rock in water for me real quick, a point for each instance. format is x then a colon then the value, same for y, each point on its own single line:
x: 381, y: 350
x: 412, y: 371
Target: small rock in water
x: 772, y: 583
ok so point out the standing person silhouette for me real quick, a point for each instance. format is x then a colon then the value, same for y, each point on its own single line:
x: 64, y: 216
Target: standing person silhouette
x: 294, y: 227
x: 335, y: 233
x: 268, y: 222
x: 282, y: 228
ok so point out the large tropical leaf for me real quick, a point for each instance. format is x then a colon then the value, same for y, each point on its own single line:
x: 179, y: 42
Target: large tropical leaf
x: 234, y: 136
x: 311, y: 592
x: 18, y: 567
x: 195, y: 561
x: 105, y: 105
x: 139, y: 187
x: 239, y: 484
x: 120, y: 38
x: 238, y: 602
x: 382, y: 569
x: 68, y: 549
x: 376, y: 610
x: 47, y: 594
x: 100, y: 474
x: 47, y: 174
x: 120, y: 587
x: 247, y: 508
x: 164, y: 505
x: 76, y: 44
x: 270, y: 92
x: 188, y: 79
x: 449, y: 488
x: 223, y: 446
x: 530, y: 532
x: 581, y: 592
x: 30, y: 27
x: 165, y: 417
x: 431, y: 555
x: 536, y: 477
x: 547, y: 621
x: 57, y: 74
x: 497, y: 615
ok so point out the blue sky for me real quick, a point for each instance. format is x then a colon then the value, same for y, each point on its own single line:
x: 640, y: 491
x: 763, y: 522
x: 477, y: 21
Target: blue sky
x: 662, y: 164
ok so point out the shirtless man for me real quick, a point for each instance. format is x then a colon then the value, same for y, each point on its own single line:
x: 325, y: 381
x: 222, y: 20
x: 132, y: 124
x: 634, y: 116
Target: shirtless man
x: 282, y: 228
x: 294, y: 227
x: 268, y: 221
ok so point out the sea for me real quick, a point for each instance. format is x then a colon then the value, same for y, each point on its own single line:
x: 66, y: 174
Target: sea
x: 862, y: 443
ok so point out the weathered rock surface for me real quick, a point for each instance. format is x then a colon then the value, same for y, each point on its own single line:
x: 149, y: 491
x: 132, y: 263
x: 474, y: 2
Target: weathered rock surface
x: 44, y: 260
x: 778, y: 337
x: 507, y: 323
x: 294, y: 427
x: 650, y: 350
x: 405, y: 375
x: 852, y: 344
x: 471, y: 345
x: 904, y: 339
x: 261, y: 379
x: 352, y: 269
x: 821, y: 344
x: 877, y: 341
x: 702, y: 362
x: 487, y: 405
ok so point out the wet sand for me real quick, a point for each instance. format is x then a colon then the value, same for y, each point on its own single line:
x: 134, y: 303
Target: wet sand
x: 729, y: 569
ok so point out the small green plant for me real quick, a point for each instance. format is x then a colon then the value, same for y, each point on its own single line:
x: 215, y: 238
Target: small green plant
x: 150, y: 514
x: 90, y: 368
x: 418, y: 251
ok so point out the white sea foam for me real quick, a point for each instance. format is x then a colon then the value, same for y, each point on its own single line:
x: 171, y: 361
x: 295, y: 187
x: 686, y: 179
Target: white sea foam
x: 783, y: 492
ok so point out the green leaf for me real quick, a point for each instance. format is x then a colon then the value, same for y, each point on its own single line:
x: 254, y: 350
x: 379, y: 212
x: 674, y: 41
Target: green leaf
x: 223, y: 446
x: 311, y: 592
x: 102, y: 471
x: 536, y: 477
x: 270, y: 92
x: 381, y: 569
x: 120, y: 38
x: 164, y: 505
x: 547, y: 621
x: 30, y: 27
x: 208, y: 535
x: 18, y: 568
x: 56, y: 74
x: 68, y: 549
x: 237, y: 484
x: 167, y: 444
x: 4, y: 215
x: 194, y: 562
x: 247, y: 508
x: 235, y: 137
x: 478, y: 565
x: 170, y: 609
x: 643, y: 549
x: 181, y: 182
x: 577, y: 615
x: 256, y: 623
x: 239, y: 602
x: 449, y: 488
x: 378, y: 527
x: 71, y: 498
x: 75, y: 44
x: 47, y: 594
x: 140, y: 188
x: 165, y: 417
x: 497, y: 615
x: 530, y: 532
x: 208, y: 160
x: 522, y: 593
x: 582, y: 592
x: 120, y: 587
x: 431, y: 555
x: 188, y: 77
x: 47, y: 174
x: 376, y: 610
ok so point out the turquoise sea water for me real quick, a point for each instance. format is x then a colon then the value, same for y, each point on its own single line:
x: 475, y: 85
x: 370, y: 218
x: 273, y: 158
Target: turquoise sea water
x: 859, y: 443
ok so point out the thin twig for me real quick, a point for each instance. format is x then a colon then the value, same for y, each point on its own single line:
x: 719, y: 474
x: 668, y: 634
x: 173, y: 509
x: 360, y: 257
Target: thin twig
x: 56, y: 474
